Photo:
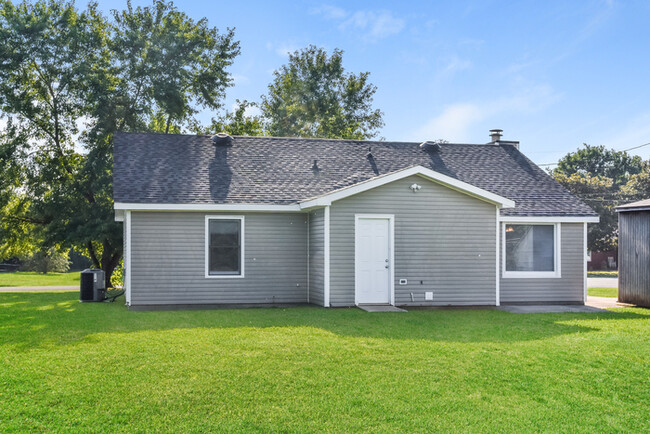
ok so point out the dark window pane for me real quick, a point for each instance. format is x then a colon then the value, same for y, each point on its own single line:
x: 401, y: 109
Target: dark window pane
x: 224, y: 260
x: 225, y: 246
x: 224, y: 232
x: 530, y: 248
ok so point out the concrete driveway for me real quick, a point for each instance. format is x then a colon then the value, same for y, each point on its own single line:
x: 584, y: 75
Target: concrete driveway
x: 602, y: 282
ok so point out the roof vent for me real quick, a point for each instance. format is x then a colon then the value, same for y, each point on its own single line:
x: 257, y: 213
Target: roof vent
x: 430, y: 146
x: 495, y: 135
x: 222, y: 139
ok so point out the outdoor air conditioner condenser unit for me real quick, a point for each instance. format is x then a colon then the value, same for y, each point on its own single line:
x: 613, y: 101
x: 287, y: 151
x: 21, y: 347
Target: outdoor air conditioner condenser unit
x: 92, y: 285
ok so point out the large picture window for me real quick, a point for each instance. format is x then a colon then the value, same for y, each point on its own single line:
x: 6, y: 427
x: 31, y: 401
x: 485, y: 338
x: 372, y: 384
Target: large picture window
x: 224, y: 246
x: 531, y: 250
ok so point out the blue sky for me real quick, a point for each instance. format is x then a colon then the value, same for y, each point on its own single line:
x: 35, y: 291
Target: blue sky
x: 552, y: 75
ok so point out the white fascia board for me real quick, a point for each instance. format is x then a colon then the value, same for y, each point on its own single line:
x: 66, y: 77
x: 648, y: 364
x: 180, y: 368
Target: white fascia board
x: 429, y: 174
x: 546, y: 219
x: 205, y: 207
x: 119, y: 215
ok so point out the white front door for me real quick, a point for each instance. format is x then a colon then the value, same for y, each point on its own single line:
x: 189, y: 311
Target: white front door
x: 373, y: 260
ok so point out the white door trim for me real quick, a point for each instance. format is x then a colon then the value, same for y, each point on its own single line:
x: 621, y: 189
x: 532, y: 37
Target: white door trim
x: 391, y: 251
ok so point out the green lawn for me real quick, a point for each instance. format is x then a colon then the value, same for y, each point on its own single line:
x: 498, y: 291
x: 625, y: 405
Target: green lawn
x: 602, y: 273
x: 29, y: 278
x: 68, y: 366
x: 603, y: 292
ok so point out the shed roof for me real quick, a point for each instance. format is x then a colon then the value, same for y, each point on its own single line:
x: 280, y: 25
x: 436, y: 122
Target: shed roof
x: 642, y: 205
x: 190, y: 169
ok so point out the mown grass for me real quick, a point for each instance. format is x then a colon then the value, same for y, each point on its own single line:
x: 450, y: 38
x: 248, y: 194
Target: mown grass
x: 602, y: 273
x: 603, y: 292
x: 30, y: 278
x: 72, y: 367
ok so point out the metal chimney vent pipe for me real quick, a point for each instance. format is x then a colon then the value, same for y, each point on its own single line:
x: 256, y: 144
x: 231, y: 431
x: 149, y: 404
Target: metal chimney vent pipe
x: 222, y: 139
x: 496, y: 134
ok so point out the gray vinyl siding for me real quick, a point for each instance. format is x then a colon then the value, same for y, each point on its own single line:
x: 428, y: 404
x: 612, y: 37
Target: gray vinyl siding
x: 566, y: 289
x: 444, y: 243
x: 316, y: 256
x: 634, y: 257
x: 168, y: 260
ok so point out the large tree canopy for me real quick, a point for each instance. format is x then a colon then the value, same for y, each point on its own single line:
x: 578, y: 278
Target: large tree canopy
x: 600, y: 161
x: 313, y: 96
x: 68, y: 80
x: 599, y: 176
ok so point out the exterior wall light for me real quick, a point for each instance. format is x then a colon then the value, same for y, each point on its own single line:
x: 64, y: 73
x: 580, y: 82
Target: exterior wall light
x: 415, y: 187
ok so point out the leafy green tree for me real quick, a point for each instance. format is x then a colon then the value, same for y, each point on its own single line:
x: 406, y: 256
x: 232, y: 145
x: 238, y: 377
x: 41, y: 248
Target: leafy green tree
x: 313, y: 96
x: 638, y: 187
x: 599, y: 161
x: 69, y: 79
x: 236, y: 123
x: 47, y: 261
x: 597, y: 175
x: 595, y: 191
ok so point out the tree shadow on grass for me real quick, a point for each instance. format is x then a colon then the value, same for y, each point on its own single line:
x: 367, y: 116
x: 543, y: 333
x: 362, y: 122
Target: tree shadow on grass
x: 31, y: 320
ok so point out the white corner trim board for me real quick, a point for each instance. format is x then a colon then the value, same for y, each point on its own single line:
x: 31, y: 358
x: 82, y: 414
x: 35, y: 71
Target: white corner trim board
x: 326, y: 257
x: 584, y: 265
x: 127, y: 258
x: 429, y: 174
x: 498, y: 261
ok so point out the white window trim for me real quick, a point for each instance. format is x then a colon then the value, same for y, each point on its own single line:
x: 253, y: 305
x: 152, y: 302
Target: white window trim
x: 207, y: 246
x: 557, y: 244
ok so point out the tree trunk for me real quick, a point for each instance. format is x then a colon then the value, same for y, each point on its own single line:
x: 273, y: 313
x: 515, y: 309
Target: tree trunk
x: 110, y: 260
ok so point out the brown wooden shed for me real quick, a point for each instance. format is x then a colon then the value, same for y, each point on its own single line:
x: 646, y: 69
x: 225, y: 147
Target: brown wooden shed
x: 634, y: 253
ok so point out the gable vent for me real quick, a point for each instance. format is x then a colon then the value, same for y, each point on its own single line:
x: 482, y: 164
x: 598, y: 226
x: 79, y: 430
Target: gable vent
x: 222, y: 139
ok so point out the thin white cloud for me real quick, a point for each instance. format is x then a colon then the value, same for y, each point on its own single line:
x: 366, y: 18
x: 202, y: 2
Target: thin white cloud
x: 456, y: 64
x: 635, y: 132
x: 249, y: 111
x: 285, y: 50
x: 282, y: 49
x: 240, y: 79
x: 456, y: 122
x: 376, y: 25
x: 330, y: 12
x: 373, y: 24
x: 452, y: 124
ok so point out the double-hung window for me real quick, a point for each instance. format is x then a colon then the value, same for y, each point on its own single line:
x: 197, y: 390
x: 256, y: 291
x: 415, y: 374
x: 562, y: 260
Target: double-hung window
x: 531, y: 250
x: 224, y: 246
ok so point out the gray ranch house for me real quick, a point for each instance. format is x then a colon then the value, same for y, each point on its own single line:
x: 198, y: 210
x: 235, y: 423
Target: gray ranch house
x: 217, y: 221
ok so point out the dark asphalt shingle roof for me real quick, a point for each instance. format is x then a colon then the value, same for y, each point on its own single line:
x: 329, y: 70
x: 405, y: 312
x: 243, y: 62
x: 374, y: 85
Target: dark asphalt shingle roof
x: 186, y: 169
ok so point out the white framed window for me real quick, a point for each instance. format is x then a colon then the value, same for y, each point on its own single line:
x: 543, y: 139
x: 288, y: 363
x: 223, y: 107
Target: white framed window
x: 531, y: 250
x: 224, y: 246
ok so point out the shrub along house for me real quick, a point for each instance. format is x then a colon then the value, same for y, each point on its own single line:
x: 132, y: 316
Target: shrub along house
x: 262, y: 221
